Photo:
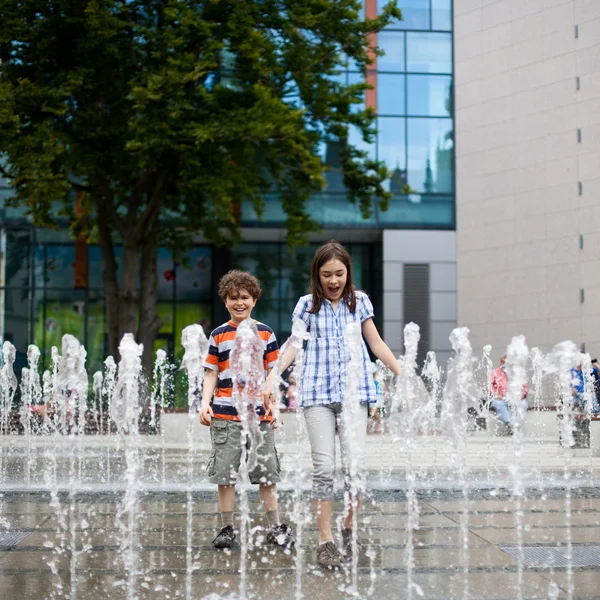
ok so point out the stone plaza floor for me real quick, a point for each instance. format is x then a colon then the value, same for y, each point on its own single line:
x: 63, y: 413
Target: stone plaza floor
x: 467, y: 543
x: 32, y: 569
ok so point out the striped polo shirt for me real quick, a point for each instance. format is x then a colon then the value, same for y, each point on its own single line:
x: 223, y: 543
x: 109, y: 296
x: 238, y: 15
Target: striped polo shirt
x: 219, y: 348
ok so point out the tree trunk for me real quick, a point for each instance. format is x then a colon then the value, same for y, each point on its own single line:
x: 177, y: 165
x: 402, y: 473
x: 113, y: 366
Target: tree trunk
x: 150, y: 322
x: 128, y: 297
x: 109, y: 278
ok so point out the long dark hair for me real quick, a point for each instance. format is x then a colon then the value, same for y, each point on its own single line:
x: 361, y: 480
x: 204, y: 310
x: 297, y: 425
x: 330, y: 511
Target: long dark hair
x: 332, y: 250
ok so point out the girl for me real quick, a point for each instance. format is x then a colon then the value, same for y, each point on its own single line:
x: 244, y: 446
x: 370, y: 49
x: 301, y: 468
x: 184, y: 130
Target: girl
x: 331, y: 305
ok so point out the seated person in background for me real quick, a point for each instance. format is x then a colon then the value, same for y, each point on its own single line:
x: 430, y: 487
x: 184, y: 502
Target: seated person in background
x: 498, y: 386
x: 578, y: 401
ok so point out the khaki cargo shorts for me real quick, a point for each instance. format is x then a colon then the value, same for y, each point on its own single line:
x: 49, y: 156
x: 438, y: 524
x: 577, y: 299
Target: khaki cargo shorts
x: 224, y: 461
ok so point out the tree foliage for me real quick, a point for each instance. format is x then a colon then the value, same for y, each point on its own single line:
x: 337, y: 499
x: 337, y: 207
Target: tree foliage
x: 165, y: 115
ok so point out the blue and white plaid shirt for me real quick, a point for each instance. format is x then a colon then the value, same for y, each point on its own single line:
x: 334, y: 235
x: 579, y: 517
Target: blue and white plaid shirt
x: 326, y: 358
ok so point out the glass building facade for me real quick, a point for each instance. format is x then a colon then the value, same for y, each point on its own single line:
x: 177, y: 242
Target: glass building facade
x: 413, y: 98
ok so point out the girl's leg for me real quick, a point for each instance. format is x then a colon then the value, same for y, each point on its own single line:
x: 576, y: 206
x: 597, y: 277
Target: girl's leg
x: 320, y: 424
x: 352, y: 445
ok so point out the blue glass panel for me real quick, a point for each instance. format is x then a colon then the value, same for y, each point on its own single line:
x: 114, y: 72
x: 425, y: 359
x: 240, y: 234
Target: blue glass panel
x: 419, y: 210
x: 355, y: 138
x: 391, y: 149
x: 166, y: 275
x: 415, y: 14
x: 59, y: 266
x: 431, y: 155
x: 354, y: 78
x: 335, y: 209
x: 429, y: 52
x: 390, y: 94
x: 392, y: 43
x: 429, y: 95
x: 193, y: 280
x: 441, y: 14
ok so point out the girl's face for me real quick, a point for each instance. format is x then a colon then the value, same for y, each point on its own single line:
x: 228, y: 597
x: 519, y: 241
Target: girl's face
x: 240, y: 305
x: 333, y: 275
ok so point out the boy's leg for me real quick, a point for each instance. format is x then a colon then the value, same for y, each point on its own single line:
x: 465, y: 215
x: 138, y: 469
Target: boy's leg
x: 320, y: 425
x: 226, y: 503
x: 268, y: 495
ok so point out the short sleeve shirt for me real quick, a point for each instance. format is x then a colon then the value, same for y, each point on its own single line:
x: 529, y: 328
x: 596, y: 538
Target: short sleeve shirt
x: 326, y: 357
x: 219, y: 348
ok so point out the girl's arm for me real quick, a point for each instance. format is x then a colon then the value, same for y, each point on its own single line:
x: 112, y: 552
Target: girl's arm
x: 378, y: 347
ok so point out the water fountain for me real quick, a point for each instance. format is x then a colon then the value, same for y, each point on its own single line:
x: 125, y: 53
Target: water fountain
x: 90, y: 454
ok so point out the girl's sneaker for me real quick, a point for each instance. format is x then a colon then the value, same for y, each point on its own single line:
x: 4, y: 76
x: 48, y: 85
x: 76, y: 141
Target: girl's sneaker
x: 225, y: 538
x: 328, y: 556
x: 281, y: 535
x: 347, y: 542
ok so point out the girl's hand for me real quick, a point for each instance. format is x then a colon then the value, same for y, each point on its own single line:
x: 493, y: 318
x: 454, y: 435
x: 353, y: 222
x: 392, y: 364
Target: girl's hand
x: 268, y: 403
x: 206, y: 414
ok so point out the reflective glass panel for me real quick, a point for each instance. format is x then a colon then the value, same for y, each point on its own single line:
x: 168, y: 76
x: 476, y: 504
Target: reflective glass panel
x: 392, y: 43
x: 166, y: 275
x: 390, y: 94
x: 193, y: 278
x: 391, y: 150
x: 441, y: 14
x: 429, y: 52
x: 415, y: 14
x: 354, y: 78
x: 429, y: 95
x: 431, y: 156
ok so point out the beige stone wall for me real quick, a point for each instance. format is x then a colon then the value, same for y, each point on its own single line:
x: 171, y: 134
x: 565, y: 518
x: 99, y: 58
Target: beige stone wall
x: 520, y: 209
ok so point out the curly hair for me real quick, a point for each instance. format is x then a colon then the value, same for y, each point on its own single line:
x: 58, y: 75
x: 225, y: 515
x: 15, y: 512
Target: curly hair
x: 234, y: 281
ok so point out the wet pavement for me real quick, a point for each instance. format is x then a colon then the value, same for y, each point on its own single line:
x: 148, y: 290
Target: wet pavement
x: 463, y: 548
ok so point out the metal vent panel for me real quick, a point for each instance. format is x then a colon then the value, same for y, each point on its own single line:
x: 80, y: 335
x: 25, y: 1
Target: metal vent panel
x: 416, y: 303
x: 556, y: 556
x: 12, y: 537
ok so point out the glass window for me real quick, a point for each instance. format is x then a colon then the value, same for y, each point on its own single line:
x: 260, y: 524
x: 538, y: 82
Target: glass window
x: 165, y: 270
x: 430, y: 161
x: 415, y: 14
x: 18, y: 247
x: 392, y: 43
x: 59, y: 266
x: 193, y: 279
x: 441, y: 14
x: 429, y: 52
x: 355, y: 138
x: 354, y: 78
x: 391, y: 150
x: 390, y: 94
x: 429, y: 95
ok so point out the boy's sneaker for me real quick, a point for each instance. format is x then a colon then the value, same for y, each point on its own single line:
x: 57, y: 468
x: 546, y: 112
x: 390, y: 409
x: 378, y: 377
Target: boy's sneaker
x: 347, y: 542
x: 328, y: 556
x: 281, y: 535
x: 225, y: 538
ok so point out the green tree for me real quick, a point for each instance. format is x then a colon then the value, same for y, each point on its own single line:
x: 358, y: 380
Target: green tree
x: 164, y: 115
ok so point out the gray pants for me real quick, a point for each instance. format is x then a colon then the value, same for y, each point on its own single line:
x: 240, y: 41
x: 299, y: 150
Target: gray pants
x: 321, y: 424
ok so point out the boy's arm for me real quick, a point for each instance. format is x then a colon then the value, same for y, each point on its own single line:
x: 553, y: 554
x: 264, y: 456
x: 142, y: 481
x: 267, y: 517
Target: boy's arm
x: 208, y: 389
x: 286, y: 359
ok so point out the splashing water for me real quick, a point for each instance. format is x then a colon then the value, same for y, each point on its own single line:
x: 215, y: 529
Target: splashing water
x: 246, y: 359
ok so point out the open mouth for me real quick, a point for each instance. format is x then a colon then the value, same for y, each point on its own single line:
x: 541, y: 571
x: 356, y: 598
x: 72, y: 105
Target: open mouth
x: 333, y: 290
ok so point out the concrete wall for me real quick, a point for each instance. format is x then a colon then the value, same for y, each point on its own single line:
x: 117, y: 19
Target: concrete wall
x: 527, y: 78
x: 438, y: 249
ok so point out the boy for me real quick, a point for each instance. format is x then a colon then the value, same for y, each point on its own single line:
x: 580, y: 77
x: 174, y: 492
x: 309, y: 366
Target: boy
x: 239, y: 291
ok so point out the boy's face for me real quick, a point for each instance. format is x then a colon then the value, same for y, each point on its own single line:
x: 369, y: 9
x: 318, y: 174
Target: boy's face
x: 239, y: 304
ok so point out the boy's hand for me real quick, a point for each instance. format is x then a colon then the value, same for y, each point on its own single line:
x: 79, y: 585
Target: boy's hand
x: 206, y: 414
x: 268, y: 403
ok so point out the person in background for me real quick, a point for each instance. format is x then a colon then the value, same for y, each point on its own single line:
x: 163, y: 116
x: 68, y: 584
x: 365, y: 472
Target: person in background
x: 498, y: 387
x: 578, y: 390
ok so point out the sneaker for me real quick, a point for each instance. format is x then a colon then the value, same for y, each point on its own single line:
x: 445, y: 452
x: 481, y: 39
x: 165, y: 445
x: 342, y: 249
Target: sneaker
x: 225, y: 538
x: 347, y: 542
x: 328, y: 556
x: 281, y: 535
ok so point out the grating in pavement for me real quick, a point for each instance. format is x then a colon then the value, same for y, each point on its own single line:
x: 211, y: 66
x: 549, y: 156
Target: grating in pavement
x: 556, y: 556
x: 12, y: 538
